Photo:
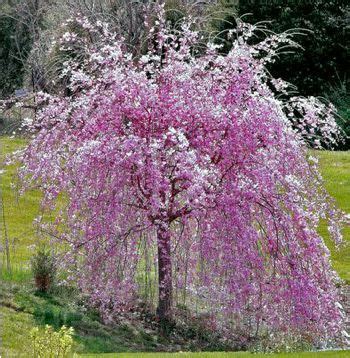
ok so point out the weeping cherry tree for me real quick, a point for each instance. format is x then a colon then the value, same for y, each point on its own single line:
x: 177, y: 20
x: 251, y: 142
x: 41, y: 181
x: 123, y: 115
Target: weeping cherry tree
x: 198, y: 153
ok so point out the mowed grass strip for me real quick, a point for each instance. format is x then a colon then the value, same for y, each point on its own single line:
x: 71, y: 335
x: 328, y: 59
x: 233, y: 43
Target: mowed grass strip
x: 325, y: 354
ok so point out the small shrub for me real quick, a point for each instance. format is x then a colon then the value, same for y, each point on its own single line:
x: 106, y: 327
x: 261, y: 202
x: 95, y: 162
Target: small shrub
x: 73, y: 318
x: 44, y: 269
x: 49, y: 316
x: 51, y: 344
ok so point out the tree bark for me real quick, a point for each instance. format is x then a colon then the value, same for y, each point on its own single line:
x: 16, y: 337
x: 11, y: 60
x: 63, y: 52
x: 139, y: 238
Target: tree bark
x: 165, y: 287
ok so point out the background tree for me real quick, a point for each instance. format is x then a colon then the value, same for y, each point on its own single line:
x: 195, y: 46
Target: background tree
x: 322, y: 67
x: 324, y: 59
x: 16, y: 43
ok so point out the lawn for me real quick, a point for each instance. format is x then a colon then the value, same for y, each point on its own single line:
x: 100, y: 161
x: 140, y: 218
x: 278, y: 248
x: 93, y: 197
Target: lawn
x: 335, y: 168
x: 328, y: 354
x: 19, y: 211
x: 21, y: 309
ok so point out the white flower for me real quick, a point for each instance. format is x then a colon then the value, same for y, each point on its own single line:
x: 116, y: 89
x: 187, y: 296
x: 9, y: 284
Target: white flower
x: 27, y: 121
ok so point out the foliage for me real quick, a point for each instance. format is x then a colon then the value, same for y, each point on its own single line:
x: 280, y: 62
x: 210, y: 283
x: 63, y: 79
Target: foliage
x: 15, y: 44
x: 340, y: 97
x: 223, y: 15
x: 321, y: 68
x: 193, y: 156
x: 51, y: 344
x: 325, y: 41
x: 44, y: 268
x: 91, y: 336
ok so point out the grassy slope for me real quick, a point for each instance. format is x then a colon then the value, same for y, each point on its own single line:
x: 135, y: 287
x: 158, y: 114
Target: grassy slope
x: 19, y: 214
x: 27, y: 310
x: 335, y: 168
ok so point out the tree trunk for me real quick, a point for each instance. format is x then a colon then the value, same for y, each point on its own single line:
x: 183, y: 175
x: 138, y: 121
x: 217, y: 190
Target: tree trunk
x: 164, y: 310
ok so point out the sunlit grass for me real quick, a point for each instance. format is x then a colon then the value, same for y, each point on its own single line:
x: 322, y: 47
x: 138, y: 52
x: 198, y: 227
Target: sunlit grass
x: 17, y: 273
x: 328, y: 354
x: 15, y: 328
x: 335, y: 168
x: 19, y: 211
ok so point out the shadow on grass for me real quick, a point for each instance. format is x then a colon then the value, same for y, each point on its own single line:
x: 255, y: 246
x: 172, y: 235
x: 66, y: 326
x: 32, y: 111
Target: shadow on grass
x: 61, y: 307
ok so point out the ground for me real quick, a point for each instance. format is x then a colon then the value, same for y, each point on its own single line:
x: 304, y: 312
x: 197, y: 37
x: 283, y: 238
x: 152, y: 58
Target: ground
x: 21, y: 308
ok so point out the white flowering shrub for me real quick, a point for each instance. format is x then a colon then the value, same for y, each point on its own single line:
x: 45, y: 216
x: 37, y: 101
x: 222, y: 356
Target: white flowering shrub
x: 50, y: 344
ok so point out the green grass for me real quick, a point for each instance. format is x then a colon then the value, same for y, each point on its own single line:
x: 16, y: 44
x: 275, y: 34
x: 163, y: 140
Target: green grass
x: 15, y: 327
x: 19, y: 211
x: 328, y: 354
x: 335, y: 168
x: 21, y: 309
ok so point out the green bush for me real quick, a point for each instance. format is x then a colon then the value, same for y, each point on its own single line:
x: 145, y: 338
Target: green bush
x: 50, y: 344
x: 44, y: 269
